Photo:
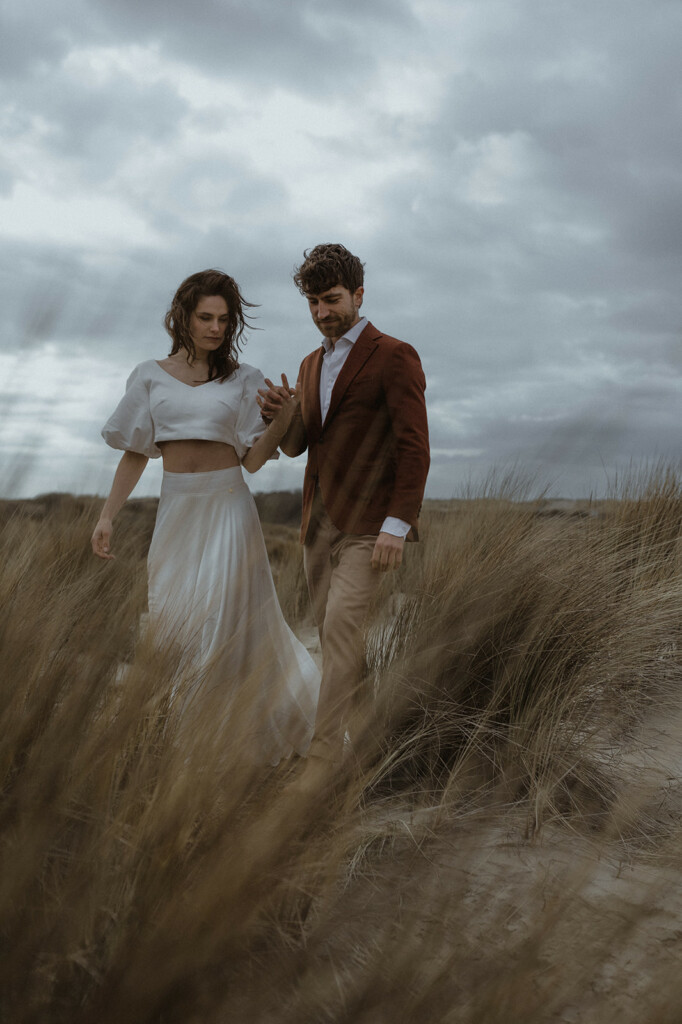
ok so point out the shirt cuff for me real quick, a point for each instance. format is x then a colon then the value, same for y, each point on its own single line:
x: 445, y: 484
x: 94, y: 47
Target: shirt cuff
x: 396, y: 527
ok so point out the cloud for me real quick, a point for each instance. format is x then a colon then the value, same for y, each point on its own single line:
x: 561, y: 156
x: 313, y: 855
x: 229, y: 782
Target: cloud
x: 509, y: 173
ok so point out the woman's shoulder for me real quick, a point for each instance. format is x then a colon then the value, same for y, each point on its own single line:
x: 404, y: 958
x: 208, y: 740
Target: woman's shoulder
x: 143, y: 371
x: 247, y: 374
x: 246, y: 370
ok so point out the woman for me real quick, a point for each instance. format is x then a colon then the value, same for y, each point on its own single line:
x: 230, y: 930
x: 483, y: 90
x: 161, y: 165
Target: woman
x: 210, y: 585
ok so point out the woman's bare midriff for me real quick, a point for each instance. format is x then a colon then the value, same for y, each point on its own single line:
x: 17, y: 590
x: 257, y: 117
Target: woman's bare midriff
x: 193, y: 456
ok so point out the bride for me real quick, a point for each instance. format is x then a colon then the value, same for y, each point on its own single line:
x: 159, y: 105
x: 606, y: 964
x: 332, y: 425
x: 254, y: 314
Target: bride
x: 210, y: 585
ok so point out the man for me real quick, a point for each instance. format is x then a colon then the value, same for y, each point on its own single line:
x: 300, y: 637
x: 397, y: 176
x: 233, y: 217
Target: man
x: 362, y: 418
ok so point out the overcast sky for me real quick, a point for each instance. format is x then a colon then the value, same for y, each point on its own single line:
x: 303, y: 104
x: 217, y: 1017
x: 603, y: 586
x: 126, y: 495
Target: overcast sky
x: 510, y: 172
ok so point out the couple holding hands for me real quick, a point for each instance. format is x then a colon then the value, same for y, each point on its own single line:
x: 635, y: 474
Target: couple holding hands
x: 358, y: 409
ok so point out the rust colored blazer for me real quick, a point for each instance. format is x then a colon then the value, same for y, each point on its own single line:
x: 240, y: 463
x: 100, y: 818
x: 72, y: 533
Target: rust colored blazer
x: 371, y: 455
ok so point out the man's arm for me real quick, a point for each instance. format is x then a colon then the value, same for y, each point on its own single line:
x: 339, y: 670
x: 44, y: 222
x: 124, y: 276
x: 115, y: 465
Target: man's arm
x: 407, y: 410
x: 295, y: 441
x: 405, y: 387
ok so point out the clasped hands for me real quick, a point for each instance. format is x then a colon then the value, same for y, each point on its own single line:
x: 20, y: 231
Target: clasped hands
x: 277, y: 399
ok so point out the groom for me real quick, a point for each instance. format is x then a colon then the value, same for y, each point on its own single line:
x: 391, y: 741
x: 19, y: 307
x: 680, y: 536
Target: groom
x: 362, y: 419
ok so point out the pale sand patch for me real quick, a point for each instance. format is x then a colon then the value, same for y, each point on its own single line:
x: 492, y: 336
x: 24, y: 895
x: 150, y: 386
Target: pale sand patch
x: 593, y: 924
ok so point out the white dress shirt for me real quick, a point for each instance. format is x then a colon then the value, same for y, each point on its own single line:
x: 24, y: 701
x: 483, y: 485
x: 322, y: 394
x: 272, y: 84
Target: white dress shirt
x: 334, y: 357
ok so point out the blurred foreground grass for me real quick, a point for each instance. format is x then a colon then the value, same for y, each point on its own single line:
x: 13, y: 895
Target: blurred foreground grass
x: 504, y: 849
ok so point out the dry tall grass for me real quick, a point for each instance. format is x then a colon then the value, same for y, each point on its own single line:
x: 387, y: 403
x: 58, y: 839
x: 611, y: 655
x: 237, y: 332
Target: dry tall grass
x: 497, y: 852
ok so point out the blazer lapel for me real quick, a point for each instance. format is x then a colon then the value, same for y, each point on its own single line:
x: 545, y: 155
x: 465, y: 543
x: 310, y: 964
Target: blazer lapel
x: 357, y: 357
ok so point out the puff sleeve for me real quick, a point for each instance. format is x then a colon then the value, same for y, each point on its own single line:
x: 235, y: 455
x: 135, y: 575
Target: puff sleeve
x: 250, y: 425
x: 130, y: 426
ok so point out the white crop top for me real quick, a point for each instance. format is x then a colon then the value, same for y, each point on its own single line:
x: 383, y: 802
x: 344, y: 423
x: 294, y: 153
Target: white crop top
x: 159, y: 407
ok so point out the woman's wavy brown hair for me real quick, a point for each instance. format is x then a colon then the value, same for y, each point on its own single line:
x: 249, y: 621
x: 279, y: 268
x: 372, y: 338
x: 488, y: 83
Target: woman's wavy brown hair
x: 223, y: 362
x: 327, y: 265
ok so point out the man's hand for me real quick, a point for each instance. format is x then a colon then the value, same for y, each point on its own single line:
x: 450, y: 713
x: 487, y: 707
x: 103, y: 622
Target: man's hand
x: 272, y: 400
x: 388, y: 552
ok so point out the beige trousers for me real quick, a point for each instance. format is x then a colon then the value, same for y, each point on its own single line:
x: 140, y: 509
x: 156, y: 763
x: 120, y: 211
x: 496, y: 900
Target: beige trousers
x: 341, y: 584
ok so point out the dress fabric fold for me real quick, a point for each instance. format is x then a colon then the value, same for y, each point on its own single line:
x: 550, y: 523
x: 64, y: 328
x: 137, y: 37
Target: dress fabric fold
x: 211, y: 591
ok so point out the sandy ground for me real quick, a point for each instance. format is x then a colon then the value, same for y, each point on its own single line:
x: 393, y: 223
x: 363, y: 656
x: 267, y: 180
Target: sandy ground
x: 594, y: 923
x: 601, y: 919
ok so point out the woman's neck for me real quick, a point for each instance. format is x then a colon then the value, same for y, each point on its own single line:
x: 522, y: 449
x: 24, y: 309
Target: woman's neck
x: 199, y: 361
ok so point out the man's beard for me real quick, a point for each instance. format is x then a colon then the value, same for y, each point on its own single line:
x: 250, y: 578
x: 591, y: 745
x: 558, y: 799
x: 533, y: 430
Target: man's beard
x: 338, y: 326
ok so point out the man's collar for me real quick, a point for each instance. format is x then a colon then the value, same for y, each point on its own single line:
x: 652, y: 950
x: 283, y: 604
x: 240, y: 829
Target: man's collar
x: 351, y: 335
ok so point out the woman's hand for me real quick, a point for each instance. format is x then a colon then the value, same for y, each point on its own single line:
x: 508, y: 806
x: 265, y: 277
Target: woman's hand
x: 101, y: 538
x: 129, y: 471
x: 282, y: 405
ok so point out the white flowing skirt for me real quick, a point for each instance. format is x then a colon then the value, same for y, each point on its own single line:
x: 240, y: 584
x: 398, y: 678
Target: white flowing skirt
x: 211, y: 591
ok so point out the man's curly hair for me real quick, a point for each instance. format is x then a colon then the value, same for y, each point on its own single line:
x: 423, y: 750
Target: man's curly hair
x: 326, y: 266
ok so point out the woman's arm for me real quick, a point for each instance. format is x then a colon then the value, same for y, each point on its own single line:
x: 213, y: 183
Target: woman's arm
x: 268, y: 442
x: 129, y: 471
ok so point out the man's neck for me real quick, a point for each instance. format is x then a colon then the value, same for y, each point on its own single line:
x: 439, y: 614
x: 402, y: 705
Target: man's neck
x: 333, y: 341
